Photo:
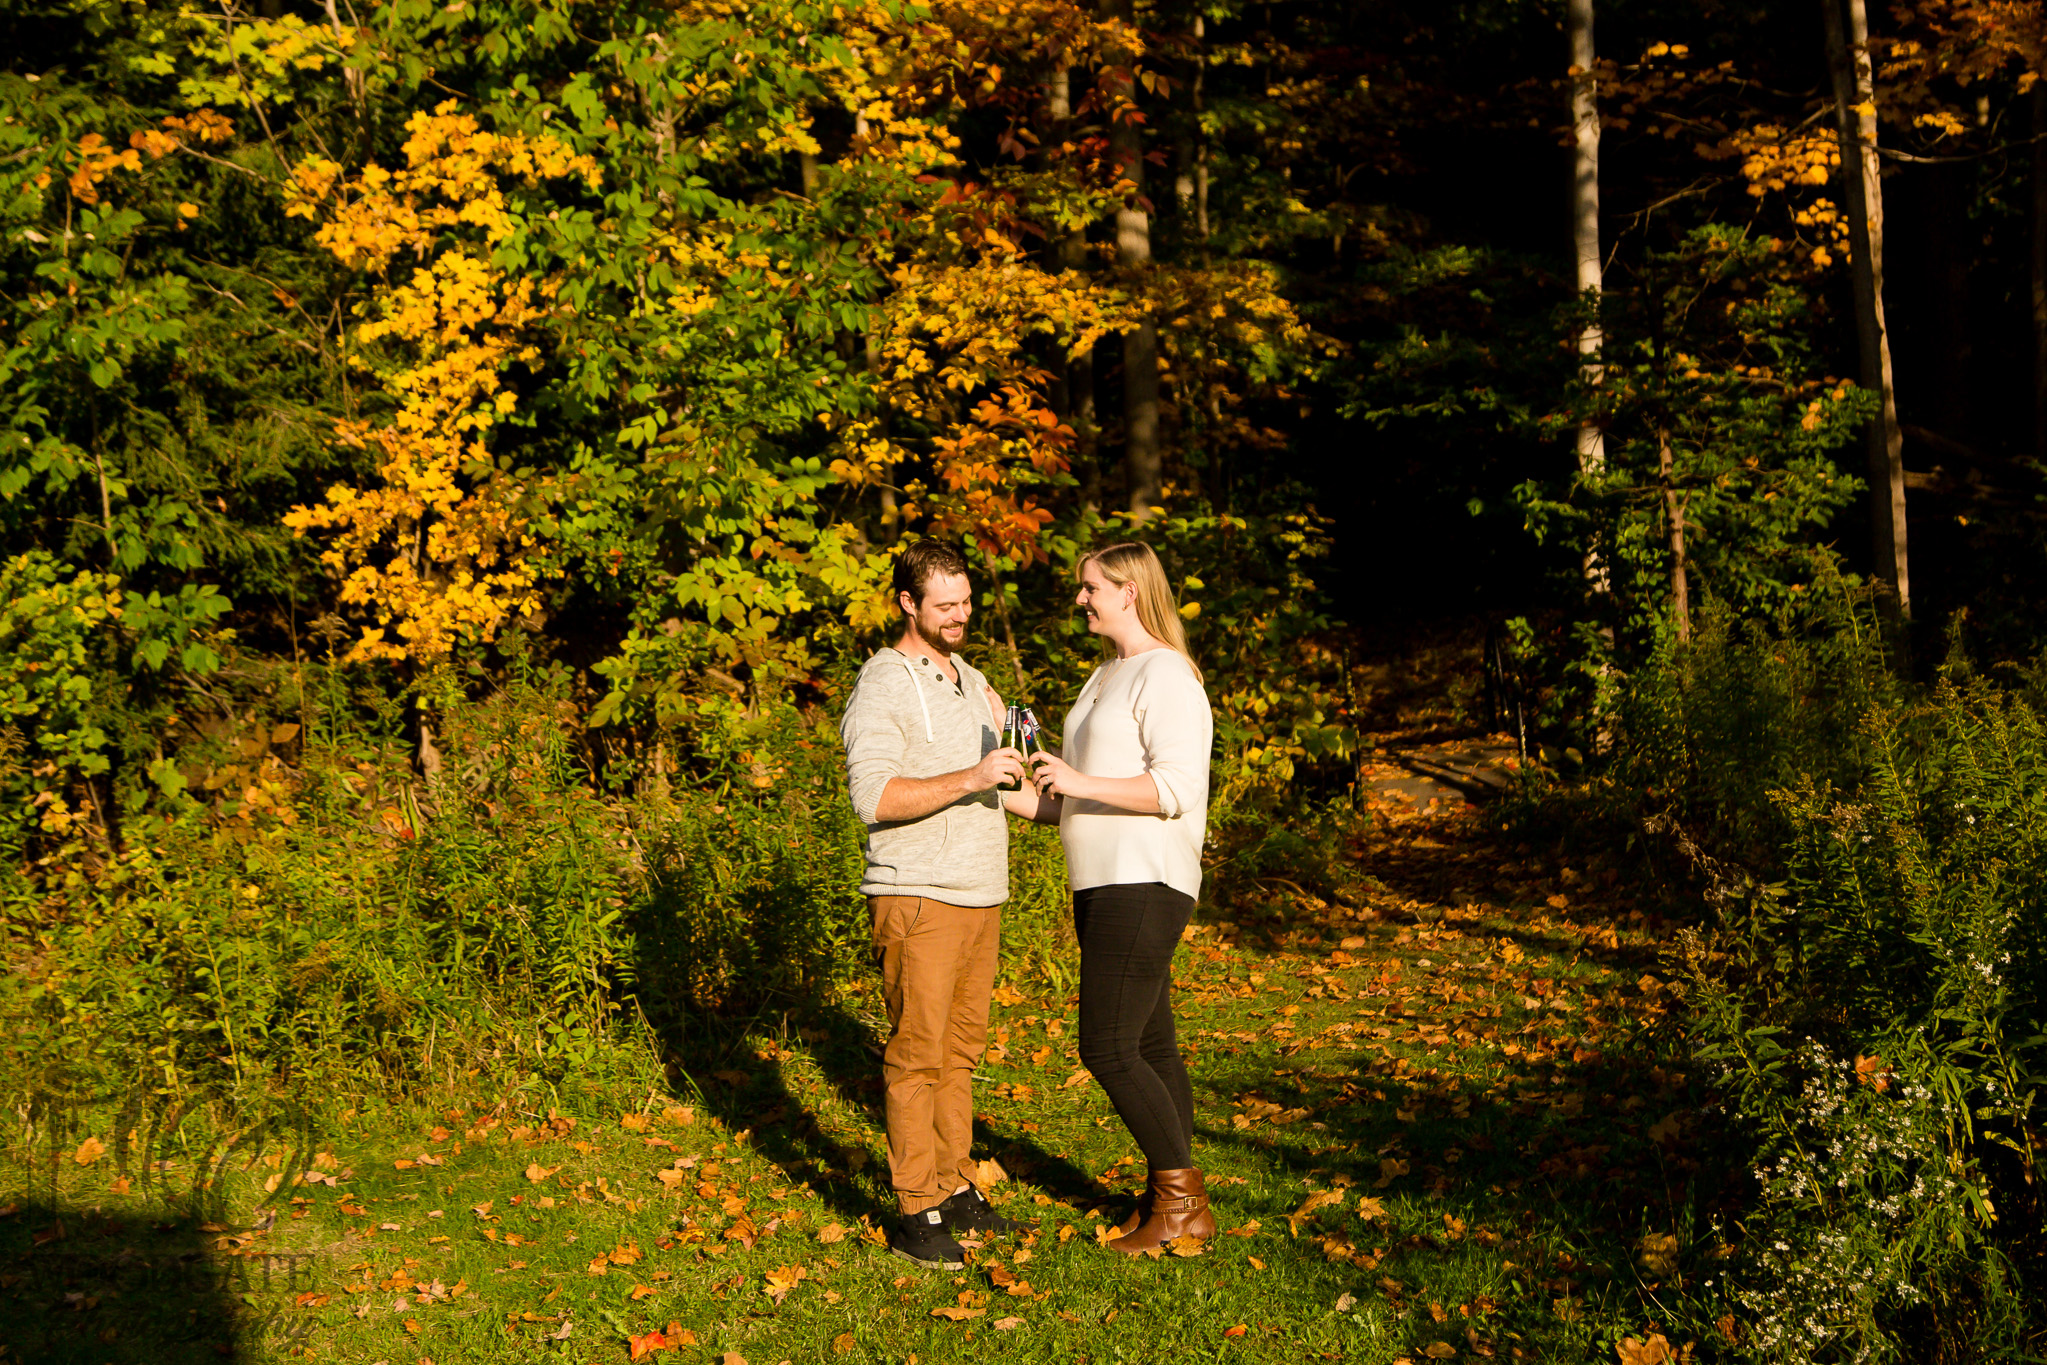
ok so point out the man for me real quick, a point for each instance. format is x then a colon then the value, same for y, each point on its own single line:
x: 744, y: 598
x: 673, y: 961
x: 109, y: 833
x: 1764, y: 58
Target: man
x: 923, y: 741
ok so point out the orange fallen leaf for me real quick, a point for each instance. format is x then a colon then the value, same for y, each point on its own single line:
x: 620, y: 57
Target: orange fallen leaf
x: 644, y: 1346
x: 955, y: 1314
x: 536, y: 1172
x: 89, y: 1151
x: 412, y: 1327
x: 843, y: 1344
x: 1655, y: 1351
x: 641, y: 1291
x: 1236, y: 1331
x: 831, y: 1233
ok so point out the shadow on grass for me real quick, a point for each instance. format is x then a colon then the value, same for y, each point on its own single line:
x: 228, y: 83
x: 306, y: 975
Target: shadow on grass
x: 82, y: 1285
x: 719, y: 1057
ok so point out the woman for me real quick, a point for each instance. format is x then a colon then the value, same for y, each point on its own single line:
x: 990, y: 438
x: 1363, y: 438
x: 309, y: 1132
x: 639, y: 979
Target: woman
x: 1133, y: 809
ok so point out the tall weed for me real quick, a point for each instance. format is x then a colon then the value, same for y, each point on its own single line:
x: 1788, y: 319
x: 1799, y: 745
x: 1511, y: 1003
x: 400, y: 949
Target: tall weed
x: 1870, y: 998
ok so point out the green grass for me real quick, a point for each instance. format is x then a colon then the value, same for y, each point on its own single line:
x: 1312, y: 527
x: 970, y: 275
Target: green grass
x: 1465, y: 1091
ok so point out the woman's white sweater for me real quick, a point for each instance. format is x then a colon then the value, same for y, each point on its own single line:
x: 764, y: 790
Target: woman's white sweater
x: 1146, y: 714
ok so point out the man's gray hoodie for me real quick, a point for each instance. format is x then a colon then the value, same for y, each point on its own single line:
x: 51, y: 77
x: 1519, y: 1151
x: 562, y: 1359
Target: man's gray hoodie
x: 906, y: 719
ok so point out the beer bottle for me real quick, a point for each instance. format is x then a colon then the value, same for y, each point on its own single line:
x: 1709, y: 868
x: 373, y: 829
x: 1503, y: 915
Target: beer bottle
x: 1012, y: 738
x: 1033, y: 735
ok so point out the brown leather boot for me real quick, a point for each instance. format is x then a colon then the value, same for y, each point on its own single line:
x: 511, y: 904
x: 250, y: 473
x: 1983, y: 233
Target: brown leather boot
x: 1135, y: 1218
x: 1178, y: 1207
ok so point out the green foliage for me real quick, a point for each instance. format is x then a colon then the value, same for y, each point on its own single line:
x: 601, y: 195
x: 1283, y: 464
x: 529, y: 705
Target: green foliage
x: 1870, y: 999
x: 49, y: 618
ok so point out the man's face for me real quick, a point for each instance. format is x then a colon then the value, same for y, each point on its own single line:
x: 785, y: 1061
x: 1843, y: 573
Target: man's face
x: 941, y: 618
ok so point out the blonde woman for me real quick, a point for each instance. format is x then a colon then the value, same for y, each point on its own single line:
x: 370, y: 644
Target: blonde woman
x: 1133, y: 810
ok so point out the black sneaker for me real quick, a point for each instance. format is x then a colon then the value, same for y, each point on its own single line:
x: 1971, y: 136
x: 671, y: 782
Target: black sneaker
x: 970, y: 1211
x: 922, y: 1239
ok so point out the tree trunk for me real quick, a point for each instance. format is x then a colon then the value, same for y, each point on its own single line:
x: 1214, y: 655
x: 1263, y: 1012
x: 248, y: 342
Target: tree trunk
x: 1078, y: 384
x: 1585, y: 221
x: 1143, y: 476
x: 1674, y: 518
x: 1191, y: 185
x: 1855, y: 115
x: 891, y: 516
x: 2039, y: 106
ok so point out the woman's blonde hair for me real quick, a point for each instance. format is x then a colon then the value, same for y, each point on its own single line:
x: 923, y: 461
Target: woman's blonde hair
x: 1132, y: 561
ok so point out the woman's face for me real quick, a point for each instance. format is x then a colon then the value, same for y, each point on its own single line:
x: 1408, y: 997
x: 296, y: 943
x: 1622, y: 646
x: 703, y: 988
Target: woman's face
x: 1107, y: 606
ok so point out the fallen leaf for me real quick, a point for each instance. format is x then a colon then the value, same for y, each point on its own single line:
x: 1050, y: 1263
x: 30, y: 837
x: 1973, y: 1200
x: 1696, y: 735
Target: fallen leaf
x: 1007, y: 1324
x: 831, y: 1233
x: 1439, y: 1350
x: 1656, y: 1254
x: 1187, y: 1245
x: 1370, y: 1209
x: 988, y: 1174
x: 412, y: 1327
x: 1256, y: 1264
x: 1655, y: 1351
x: 641, y: 1291
x: 1345, y: 1302
x: 1390, y: 1169
x: 955, y: 1314
x: 782, y: 1279
x: 1319, y: 1199
x: 1080, y: 1077
x: 732, y: 1358
x: 1236, y: 1331
x: 644, y: 1346
x: 536, y: 1172
x: 843, y: 1344
x: 89, y: 1151
x: 1249, y: 1229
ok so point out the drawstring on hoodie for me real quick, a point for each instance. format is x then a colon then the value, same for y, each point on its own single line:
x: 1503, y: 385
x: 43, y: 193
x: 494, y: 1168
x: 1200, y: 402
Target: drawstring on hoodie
x: 922, y: 705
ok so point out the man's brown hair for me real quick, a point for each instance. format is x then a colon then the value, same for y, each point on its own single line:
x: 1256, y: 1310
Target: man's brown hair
x: 915, y: 565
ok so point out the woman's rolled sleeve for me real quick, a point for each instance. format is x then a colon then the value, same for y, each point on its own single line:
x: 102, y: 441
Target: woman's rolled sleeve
x: 1176, y: 730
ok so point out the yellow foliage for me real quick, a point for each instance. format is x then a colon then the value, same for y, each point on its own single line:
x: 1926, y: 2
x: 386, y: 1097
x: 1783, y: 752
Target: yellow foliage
x: 440, y: 548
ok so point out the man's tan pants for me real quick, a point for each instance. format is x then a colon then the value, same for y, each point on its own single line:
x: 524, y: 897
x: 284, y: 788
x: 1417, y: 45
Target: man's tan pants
x: 937, y: 968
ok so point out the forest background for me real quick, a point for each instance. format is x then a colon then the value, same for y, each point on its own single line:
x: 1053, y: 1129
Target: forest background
x: 452, y: 454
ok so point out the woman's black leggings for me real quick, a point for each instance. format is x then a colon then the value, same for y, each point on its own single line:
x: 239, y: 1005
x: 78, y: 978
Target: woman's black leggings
x: 1127, y: 937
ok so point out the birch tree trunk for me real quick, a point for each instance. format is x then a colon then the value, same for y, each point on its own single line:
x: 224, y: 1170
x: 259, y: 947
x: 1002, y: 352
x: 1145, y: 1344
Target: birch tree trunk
x: 1142, y: 466
x: 1855, y: 116
x: 1585, y: 217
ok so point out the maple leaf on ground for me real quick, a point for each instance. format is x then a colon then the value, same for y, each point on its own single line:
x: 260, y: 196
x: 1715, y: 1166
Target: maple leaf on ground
x: 536, y: 1172
x: 89, y: 1151
x: 644, y: 1346
x: 831, y: 1233
x: 843, y: 1344
x: 779, y: 1281
x: 1656, y: 1254
x: 1370, y: 1208
x: 641, y: 1291
x: 1655, y: 1351
x: 1319, y: 1199
x: 1187, y: 1245
x: 678, y: 1335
